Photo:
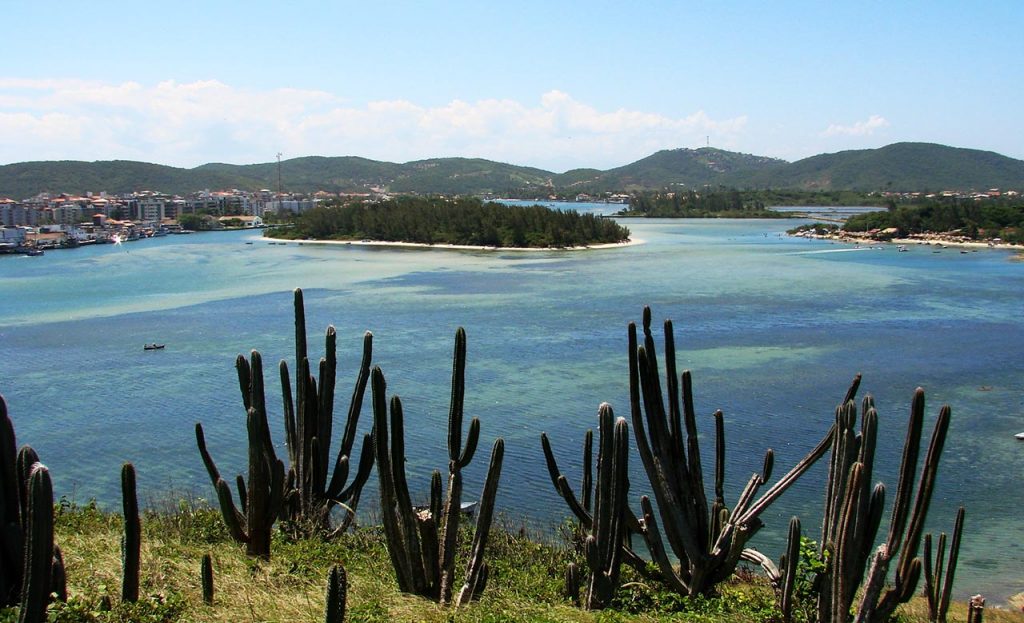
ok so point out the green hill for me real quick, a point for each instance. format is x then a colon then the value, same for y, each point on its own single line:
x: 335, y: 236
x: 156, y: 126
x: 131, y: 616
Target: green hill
x: 897, y: 167
x: 900, y: 166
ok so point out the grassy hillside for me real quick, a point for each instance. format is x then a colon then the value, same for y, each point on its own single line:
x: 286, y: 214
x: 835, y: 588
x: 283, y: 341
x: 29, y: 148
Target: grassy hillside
x: 525, y: 585
x: 901, y: 166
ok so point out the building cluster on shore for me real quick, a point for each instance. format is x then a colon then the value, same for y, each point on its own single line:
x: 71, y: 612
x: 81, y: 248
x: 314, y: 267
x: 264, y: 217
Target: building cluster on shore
x: 61, y: 221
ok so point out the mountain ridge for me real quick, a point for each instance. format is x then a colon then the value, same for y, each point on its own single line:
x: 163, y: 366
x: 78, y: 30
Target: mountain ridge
x: 905, y: 166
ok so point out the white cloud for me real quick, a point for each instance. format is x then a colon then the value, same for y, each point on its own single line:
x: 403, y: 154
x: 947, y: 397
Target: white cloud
x: 187, y: 124
x: 860, y: 128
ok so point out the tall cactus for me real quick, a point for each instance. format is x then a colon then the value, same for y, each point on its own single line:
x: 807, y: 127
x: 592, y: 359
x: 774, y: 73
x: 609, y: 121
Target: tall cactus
x: 132, y: 542
x: 708, y: 540
x: 261, y: 497
x: 38, y: 567
x: 939, y: 585
x: 317, y: 483
x: 424, y: 561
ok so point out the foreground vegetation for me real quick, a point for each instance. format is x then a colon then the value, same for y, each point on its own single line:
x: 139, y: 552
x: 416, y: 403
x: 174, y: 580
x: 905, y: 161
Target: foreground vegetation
x: 458, y: 221
x: 526, y: 583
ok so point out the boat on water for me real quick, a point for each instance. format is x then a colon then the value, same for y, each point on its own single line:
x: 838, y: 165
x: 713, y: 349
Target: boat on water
x: 467, y: 508
x: 1020, y: 436
x: 153, y: 346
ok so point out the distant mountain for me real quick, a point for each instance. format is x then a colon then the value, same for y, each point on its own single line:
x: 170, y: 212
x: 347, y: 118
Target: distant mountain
x: 681, y: 167
x: 901, y: 166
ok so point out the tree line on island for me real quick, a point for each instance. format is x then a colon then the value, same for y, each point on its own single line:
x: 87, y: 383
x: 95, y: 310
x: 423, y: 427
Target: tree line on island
x: 725, y: 203
x: 457, y: 220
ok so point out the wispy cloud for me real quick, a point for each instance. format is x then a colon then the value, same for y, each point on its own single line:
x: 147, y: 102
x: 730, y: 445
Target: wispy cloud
x: 187, y: 124
x: 860, y: 128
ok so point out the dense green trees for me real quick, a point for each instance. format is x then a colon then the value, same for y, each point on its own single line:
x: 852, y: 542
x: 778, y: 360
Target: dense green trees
x: 459, y: 220
x: 691, y: 204
x: 979, y: 220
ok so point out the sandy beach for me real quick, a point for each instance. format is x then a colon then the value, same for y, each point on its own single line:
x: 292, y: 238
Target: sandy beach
x: 457, y: 247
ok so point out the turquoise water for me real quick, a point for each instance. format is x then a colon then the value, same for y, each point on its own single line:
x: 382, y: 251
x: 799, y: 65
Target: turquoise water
x: 773, y: 329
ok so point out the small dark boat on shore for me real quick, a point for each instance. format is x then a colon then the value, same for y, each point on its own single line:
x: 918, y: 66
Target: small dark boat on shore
x: 153, y: 346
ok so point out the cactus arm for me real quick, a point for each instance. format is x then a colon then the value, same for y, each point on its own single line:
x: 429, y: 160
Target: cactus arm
x: 652, y: 537
x: 406, y: 514
x: 244, y: 380
x: 300, y: 325
x: 458, y: 394
x: 483, y: 524
x: 901, y: 504
x: 586, y: 487
x: 233, y: 519
x: 362, y: 474
x: 385, y: 473
x: 355, y: 404
x: 954, y: 553
x: 131, y: 545
x: 472, y: 438
x: 290, y: 433
x: 789, y: 569
x: 211, y: 467
x: 59, y: 576
x: 449, y: 540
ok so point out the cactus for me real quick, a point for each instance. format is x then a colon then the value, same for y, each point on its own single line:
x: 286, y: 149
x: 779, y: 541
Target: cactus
x: 264, y: 491
x: 937, y: 587
x: 605, y: 530
x: 337, y: 591
x: 22, y: 518
x: 572, y: 583
x: 131, y: 544
x: 975, y: 609
x: 853, y: 511
x: 788, y: 570
x: 708, y: 541
x: 423, y: 559
x: 206, y: 576
x: 305, y: 495
x: 11, y: 528
x: 308, y: 425
x: 38, y: 569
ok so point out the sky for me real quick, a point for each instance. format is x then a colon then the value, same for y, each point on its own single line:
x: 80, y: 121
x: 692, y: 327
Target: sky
x: 554, y: 85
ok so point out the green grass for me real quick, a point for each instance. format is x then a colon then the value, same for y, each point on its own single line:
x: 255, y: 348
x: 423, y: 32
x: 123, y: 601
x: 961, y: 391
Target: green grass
x: 526, y: 581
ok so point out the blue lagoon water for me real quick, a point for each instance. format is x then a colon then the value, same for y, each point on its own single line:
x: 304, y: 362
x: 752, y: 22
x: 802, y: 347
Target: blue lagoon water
x: 773, y: 329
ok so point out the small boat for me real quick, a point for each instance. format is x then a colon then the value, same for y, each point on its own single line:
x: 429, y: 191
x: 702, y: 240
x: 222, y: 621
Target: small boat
x: 467, y: 508
x: 153, y: 346
x: 1020, y: 436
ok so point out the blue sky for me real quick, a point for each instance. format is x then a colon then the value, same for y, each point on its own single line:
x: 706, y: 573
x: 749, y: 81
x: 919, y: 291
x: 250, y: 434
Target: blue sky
x: 555, y: 85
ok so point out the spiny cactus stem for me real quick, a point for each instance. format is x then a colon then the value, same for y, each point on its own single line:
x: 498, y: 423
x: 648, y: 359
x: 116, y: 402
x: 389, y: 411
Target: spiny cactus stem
x: 132, y: 543
x: 206, y: 573
x: 35, y: 591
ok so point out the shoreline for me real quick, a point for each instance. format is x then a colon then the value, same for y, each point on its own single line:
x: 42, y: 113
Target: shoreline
x: 939, y: 240
x: 453, y: 247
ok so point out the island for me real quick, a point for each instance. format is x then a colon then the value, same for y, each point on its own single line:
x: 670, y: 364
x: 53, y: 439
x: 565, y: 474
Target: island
x: 991, y: 223
x: 455, y: 221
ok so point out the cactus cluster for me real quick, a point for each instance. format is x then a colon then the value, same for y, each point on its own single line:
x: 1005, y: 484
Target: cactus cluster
x: 31, y: 565
x: 302, y: 493
x: 708, y: 540
x: 422, y: 543
x: 315, y: 483
x: 853, y: 511
x: 261, y: 497
x: 604, y: 530
x: 937, y: 587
